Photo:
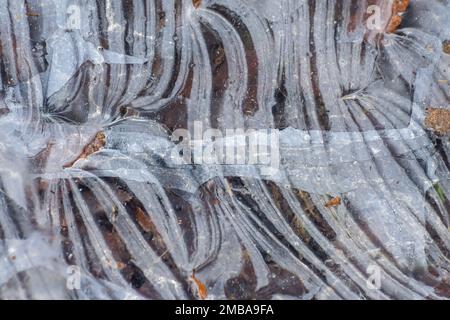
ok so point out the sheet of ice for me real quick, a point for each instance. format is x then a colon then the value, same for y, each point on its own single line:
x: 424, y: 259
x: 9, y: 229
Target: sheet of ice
x: 346, y: 103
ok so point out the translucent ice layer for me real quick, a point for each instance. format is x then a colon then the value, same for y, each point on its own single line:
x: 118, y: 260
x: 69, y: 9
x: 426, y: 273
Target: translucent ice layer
x: 98, y: 199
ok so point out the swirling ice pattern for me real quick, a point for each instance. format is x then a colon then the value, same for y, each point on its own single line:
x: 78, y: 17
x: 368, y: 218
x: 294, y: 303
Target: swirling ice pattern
x: 111, y: 80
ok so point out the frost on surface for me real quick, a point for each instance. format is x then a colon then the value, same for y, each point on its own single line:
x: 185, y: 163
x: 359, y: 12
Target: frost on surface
x: 93, y: 204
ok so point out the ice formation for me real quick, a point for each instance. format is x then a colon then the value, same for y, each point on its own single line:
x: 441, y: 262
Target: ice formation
x: 91, y: 92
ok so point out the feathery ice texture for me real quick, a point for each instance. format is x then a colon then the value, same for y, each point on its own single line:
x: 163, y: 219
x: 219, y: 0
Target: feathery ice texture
x: 90, y: 92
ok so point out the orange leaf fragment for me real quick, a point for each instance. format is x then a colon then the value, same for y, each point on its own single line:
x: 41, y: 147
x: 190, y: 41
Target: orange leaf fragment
x: 395, y: 22
x: 398, y: 8
x: 333, y: 202
x: 201, y: 288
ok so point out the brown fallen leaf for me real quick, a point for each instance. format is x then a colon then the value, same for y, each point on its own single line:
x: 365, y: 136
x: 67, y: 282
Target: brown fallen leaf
x: 393, y: 25
x: 196, y: 3
x: 398, y: 8
x: 29, y: 12
x: 333, y: 202
x: 446, y: 46
x: 201, y: 288
x: 438, y: 120
x: 143, y: 220
x: 32, y: 14
x: 96, y: 144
